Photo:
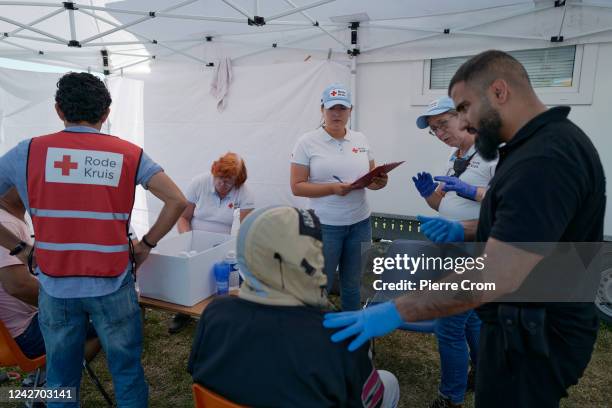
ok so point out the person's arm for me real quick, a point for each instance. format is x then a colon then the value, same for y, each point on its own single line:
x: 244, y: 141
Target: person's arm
x: 175, y: 203
x: 301, y: 187
x: 18, y: 282
x: 379, y: 181
x: 505, y: 265
x: 184, y: 222
x: 244, y: 213
x: 9, y: 240
x: 435, y: 198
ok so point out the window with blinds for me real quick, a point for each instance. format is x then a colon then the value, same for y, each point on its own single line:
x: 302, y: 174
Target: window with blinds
x: 548, y: 67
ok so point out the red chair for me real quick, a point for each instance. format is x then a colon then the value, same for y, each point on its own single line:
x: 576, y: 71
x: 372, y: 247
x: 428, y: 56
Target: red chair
x: 204, y: 398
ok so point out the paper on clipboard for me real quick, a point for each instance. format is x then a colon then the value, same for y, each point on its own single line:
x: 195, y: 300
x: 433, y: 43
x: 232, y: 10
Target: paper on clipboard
x: 367, y: 178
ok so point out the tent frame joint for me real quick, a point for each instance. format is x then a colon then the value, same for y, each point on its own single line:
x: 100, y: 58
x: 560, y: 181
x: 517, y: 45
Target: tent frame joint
x: 556, y: 39
x: 257, y: 21
x: 74, y: 43
x: 559, y: 3
x: 69, y: 5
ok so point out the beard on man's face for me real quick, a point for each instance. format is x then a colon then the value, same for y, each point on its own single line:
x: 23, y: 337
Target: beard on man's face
x: 488, y: 137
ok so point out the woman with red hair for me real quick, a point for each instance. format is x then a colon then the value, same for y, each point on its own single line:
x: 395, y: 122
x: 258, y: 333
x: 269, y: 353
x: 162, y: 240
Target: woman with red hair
x: 212, y: 198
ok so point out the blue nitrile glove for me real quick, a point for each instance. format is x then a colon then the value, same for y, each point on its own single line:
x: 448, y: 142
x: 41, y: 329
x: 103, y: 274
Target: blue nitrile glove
x: 459, y: 186
x: 370, y: 322
x: 425, y: 184
x: 440, y: 229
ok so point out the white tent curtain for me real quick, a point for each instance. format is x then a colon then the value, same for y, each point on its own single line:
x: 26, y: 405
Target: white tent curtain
x: 268, y: 108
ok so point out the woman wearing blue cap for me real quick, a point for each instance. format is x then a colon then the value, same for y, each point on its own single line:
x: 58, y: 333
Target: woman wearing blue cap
x: 323, y: 164
x: 456, y: 195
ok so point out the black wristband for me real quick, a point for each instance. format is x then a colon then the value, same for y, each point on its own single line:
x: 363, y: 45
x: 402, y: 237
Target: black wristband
x: 147, y: 243
x: 20, y: 247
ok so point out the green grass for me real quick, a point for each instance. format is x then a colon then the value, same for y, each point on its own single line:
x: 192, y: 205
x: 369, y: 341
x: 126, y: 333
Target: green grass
x: 412, y: 357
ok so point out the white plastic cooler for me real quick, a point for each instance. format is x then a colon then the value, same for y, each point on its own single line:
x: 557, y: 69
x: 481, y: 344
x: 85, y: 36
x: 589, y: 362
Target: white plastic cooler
x: 179, y: 269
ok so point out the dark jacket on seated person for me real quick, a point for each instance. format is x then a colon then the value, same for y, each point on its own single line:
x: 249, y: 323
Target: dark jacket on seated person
x: 268, y: 347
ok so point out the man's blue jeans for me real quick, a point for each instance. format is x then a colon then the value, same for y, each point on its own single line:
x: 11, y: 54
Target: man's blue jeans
x: 455, y: 334
x: 342, y: 250
x: 116, y: 317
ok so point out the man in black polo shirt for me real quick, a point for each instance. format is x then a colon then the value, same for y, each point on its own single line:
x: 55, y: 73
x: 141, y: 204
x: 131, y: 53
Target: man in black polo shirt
x: 549, y: 186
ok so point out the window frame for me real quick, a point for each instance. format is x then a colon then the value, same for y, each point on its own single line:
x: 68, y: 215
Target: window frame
x: 580, y: 93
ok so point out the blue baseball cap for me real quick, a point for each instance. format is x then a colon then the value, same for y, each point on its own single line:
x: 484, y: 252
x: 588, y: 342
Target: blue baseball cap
x: 336, y: 94
x: 440, y: 105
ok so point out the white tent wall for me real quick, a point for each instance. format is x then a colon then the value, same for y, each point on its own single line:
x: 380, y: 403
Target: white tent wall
x: 387, y: 116
x: 268, y: 108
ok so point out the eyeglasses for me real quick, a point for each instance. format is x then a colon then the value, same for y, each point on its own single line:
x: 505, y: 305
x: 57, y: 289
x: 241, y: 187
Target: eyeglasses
x: 442, y: 125
x: 226, y: 182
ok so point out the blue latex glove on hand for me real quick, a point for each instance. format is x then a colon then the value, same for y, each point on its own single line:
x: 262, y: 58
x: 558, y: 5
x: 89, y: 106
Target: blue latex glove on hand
x: 425, y: 184
x: 439, y: 229
x: 459, y: 186
x: 370, y: 322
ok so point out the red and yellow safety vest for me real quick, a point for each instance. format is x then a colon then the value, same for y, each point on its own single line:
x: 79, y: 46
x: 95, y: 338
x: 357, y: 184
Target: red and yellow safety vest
x: 81, y: 190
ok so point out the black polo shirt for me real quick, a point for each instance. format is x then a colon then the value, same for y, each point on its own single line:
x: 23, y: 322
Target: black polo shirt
x: 549, y: 186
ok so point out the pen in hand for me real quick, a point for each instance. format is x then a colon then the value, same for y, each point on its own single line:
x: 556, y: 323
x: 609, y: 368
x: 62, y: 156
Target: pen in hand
x: 338, y: 178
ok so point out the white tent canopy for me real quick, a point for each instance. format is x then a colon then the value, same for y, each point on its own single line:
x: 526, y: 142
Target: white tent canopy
x: 200, y: 31
x: 158, y: 55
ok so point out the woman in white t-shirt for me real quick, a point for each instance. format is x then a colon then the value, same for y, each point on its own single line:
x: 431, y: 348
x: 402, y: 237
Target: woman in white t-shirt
x: 323, y: 164
x: 213, y: 197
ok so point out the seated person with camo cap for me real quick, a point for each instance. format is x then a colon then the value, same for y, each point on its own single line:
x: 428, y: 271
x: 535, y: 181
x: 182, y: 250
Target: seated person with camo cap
x: 267, y: 346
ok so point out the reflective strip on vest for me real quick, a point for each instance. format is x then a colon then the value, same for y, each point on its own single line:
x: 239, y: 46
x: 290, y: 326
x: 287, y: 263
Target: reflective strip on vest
x: 92, y: 215
x: 51, y: 246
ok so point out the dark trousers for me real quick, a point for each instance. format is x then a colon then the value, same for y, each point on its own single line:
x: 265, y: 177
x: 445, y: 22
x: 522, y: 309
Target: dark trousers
x: 525, y: 379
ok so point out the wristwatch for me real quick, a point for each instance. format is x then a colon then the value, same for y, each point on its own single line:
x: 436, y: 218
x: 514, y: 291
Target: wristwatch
x: 20, y: 247
x: 147, y: 243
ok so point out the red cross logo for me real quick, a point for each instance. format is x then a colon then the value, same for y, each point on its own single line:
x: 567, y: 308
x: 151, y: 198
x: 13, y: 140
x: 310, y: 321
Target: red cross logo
x: 355, y: 150
x: 333, y: 93
x: 66, y: 165
x: 231, y: 205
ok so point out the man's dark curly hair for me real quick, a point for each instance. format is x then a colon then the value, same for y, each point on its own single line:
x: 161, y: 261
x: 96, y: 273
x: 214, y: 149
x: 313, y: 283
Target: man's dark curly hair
x: 82, y: 97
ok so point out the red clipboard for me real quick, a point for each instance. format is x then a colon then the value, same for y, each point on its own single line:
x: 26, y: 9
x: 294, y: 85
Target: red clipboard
x: 367, y: 178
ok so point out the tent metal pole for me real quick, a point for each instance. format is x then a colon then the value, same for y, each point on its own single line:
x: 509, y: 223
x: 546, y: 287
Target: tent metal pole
x: 354, y: 90
x: 201, y: 18
x: 238, y: 9
x: 72, y: 25
x: 298, y: 9
x: 459, y: 30
x: 450, y: 13
x: 138, y: 21
x: 382, y: 47
x: 81, y: 7
x: 507, y: 17
x: 114, y: 70
x: 104, y: 20
x: 583, y: 4
x: 23, y: 47
x: 114, y: 30
x: 303, y: 23
x: 28, y: 37
x: 37, y: 31
x: 41, y: 19
x: 602, y: 30
x: 515, y: 37
x: 104, y: 44
x: 256, y: 7
x: 401, y: 28
x: 23, y: 3
x: 316, y: 24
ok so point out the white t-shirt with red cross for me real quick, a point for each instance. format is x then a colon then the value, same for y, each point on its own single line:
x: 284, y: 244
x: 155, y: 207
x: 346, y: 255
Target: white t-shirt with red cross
x: 348, y: 159
x: 213, y: 213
